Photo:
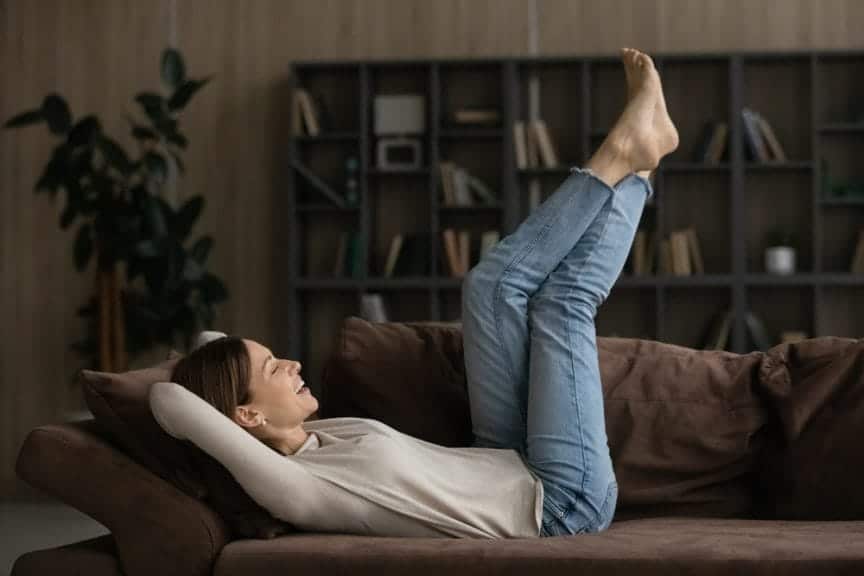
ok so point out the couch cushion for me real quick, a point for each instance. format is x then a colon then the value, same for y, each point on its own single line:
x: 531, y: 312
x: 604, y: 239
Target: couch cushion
x: 813, y: 467
x: 645, y: 547
x: 95, y: 557
x: 682, y: 423
x: 119, y: 403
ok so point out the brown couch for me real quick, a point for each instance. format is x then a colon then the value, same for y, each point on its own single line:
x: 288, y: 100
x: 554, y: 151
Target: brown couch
x: 727, y: 464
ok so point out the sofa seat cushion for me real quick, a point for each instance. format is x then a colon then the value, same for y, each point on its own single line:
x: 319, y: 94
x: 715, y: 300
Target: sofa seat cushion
x: 94, y: 557
x: 672, y: 545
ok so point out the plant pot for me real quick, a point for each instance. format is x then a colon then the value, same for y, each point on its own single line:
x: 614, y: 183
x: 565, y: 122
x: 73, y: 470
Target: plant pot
x: 780, y: 260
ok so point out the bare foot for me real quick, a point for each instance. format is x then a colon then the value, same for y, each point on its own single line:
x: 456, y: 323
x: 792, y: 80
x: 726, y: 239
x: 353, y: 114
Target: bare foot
x: 644, y: 133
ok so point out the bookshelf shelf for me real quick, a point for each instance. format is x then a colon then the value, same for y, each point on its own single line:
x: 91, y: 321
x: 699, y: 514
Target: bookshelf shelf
x: 813, y: 103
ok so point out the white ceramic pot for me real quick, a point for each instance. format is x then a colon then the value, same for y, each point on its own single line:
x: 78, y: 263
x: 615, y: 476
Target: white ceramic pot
x: 780, y: 260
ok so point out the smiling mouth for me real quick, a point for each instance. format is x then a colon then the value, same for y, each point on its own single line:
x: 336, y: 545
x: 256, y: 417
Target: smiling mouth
x: 301, y: 389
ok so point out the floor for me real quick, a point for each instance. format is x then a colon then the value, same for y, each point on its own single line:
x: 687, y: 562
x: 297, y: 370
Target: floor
x: 26, y: 526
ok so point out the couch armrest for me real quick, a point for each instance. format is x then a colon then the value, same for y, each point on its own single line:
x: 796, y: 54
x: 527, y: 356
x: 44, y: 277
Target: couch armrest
x: 157, y: 528
x: 94, y: 557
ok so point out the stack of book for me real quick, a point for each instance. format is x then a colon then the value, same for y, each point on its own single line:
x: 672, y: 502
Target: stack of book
x: 712, y: 149
x: 533, y: 145
x: 457, y: 248
x: 680, y: 254
x: 762, y: 142
x: 459, y: 187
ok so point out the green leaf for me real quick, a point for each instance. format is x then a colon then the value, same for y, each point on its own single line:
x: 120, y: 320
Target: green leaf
x: 192, y: 270
x: 156, y: 218
x: 187, y: 215
x: 54, y: 171
x: 177, y: 139
x: 156, y: 166
x: 173, y: 68
x: 83, y: 247
x: 212, y: 289
x: 153, y: 105
x: 84, y: 132
x: 68, y: 215
x: 185, y: 92
x: 56, y: 112
x: 201, y: 249
x: 25, y: 119
x: 114, y: 155
x: 143, y: 133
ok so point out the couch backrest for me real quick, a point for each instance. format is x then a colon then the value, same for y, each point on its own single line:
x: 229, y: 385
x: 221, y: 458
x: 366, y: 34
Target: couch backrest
x: 157, y: 528
x: 683, y: 425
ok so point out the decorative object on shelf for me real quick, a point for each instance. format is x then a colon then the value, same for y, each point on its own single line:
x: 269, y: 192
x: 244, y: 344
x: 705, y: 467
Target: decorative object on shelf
x: 352, y: 187
x: 372, y: 308
x: 397, y: 117
x: 150, y: 287
x: 780, y: 253
x: 476, y: 116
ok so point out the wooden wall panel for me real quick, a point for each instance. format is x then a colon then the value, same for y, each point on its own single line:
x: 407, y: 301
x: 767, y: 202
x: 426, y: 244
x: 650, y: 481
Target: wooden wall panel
x: 100, y: 52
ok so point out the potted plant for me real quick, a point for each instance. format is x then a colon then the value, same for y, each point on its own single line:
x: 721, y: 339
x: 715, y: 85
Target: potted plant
x: 151, y: 280
x: 780, y: 253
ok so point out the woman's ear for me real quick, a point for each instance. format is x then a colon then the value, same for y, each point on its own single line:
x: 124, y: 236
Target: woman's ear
x: 248, y: 417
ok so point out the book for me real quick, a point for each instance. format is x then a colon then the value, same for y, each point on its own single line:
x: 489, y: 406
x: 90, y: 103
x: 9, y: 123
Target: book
x: 753, y: 136
x: 464, y: 251
x: 857, y: 264
x: 756, y: 329
x: 637, y: 254
x: 488, y: 240
x: 476, y: 116
x: 665, y: 264
x: 308, y: 112
x: 650, y: 252
x: 717, y: 146
x: 372, y: 308
x: 446, y: 170
x: 392, y: 255
x: 680, y: 254
x: 481, y: 190
x: 717, y: 337
x: 697, y: 265
x: 777, y: 151
x: 545, y: 147
x: 451, y: 249
x: 532, y: 146
x: 520, y: 145
x: 461, y: 192
x: 341, y: 251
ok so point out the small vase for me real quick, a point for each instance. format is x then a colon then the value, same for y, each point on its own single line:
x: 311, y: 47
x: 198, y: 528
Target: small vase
x: 780, y: 260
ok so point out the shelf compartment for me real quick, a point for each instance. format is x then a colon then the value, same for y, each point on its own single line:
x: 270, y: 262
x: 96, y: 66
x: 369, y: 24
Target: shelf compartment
x: 841, y: 311
x: 840, y: 229
x: 709, y: 215
x: 779, y: 90
x: 336, y: 92
x: 778, y: 309
x: 697, y: 93
x: 778, y: 201
x: 320, y: 234
x: 404, y: 304
x: 475, y: 225
x: 482, y: 159
x: 397, y: 205
x: 471, y: 86
x: 561, y: 104
x: 323, y: 165
x: 842, y: 171
x: 840, y: 87
x: 628, y: 312
x: 691, y: 313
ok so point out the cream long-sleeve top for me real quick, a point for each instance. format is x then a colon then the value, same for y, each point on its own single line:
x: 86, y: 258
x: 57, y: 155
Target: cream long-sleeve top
x: 360, y: 476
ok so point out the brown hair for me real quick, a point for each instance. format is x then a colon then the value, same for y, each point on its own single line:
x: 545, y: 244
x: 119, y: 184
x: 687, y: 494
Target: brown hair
x: 218, y: 372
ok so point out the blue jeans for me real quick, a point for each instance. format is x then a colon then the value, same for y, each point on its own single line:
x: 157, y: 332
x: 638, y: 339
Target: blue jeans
x: 531, y: 358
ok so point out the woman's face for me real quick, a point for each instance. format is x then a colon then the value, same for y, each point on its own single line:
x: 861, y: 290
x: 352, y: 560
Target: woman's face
x: 276, y: 388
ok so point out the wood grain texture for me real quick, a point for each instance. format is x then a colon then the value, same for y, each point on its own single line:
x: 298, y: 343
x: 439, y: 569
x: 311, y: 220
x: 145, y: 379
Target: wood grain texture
x: 98, y: 53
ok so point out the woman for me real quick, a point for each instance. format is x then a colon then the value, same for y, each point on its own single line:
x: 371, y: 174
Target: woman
x: 540, y: 465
